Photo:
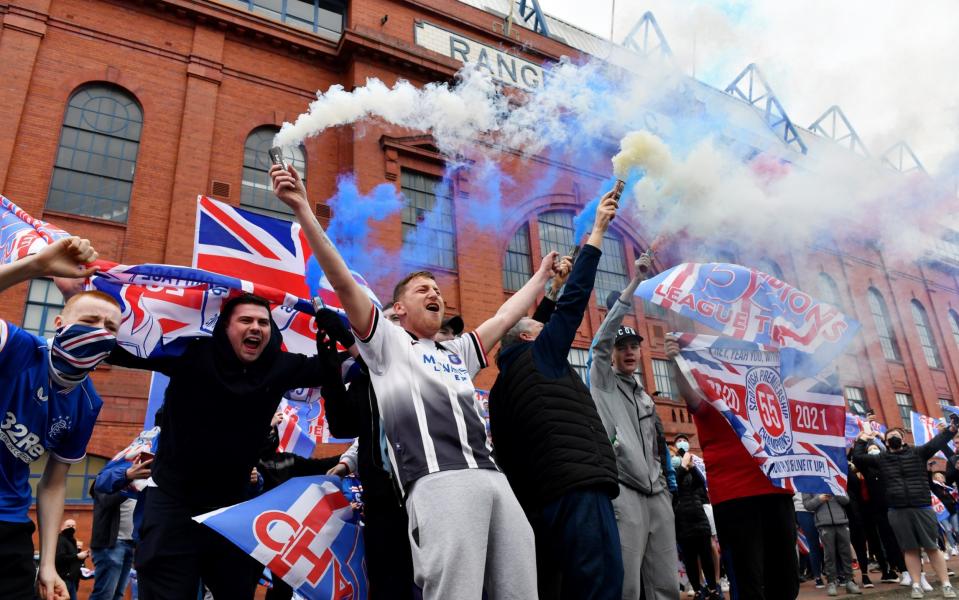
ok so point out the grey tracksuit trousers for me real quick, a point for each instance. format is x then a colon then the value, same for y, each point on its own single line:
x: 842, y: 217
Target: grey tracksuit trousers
x: 647, y: 535
x: 467, y: 529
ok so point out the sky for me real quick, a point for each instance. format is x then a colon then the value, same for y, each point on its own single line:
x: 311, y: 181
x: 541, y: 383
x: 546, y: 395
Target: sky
x: 892, y: 66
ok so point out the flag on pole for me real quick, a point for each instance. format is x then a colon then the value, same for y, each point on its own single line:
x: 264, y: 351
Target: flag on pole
x: 21, y: 235
x: 305, y: 532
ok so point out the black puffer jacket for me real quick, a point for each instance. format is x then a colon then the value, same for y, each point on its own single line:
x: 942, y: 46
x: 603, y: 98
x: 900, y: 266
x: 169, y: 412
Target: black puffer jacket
x: 688, y: 503
x: 547, y: 435
x: 903, y: 472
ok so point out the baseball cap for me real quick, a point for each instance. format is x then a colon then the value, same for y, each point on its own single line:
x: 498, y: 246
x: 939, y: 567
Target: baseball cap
x: 455, y: 323
x: 626, y: 332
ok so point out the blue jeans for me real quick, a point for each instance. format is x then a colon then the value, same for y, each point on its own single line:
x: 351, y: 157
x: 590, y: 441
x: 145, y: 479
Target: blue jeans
x: 112, y: 569
x: 807, y: 522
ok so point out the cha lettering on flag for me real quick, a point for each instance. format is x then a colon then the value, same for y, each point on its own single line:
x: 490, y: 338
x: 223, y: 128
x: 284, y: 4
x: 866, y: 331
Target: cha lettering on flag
x: 305, y: 532
x: 793, y: 427
x: 749, y: 305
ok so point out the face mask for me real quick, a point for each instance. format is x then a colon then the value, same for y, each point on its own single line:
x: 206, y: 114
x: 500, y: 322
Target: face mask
x: 894, y: 443
x: 677, y: 461
x: 684, y: 446
x: 874, y: 451
x: 77, y: 349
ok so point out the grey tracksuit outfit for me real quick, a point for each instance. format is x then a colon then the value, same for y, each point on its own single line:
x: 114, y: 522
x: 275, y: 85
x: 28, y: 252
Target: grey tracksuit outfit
x: 833, y: 526
x: 644, y: 507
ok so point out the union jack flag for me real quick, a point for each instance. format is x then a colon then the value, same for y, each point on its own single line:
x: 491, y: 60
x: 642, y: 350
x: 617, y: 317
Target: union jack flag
x: 792, y: 427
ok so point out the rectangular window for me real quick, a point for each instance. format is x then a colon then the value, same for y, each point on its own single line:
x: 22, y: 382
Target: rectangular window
x: 654, y: 311
x: 946, y: 404
x: 663, y: 377
x: 79, y: 479
x: 429, y: 235
x: 44, y: 302
x: 856, y: 400
x: 318, y: 16
x: 517, y: 264
x: 579, y: 359
x: 904, y: 402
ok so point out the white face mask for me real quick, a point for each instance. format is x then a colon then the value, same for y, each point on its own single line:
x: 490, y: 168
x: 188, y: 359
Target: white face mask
x: 874, y: 450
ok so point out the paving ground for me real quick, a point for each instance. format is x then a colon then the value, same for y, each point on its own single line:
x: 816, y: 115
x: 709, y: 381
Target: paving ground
x: 882, y: 591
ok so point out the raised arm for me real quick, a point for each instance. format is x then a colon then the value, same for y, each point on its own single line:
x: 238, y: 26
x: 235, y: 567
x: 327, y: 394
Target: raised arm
x: 692, y: 397
x: 66, y: 257
x: 51, y: 493
x: 516, y: 307
x: 937, y: 443
x: 289, y: 188
x: 601, y: 370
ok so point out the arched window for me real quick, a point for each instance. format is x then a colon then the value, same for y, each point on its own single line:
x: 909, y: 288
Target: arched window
x: 954, y: 325
x: 771, y: 267
x: 256, y: 193
x: 929, y: 348
x: 556, y: 232
x: 93, y: 173
x: 887, y: 337
x: 517, y: 265
x: 828, y: 290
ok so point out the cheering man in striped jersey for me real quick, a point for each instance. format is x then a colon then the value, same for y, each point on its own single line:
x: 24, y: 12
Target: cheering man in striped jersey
x: 466, y: 528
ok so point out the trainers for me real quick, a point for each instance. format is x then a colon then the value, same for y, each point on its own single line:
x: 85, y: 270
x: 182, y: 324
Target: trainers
x: 947, y: 591
x: 889, y: 577
x: 831, y: 589
x: 819, y: 584
x: 724, y: 584
x: 917, y: 591
x: 925, y: 584
x: 852, y: 588
x: 866, y: 582
x: 905, y: 579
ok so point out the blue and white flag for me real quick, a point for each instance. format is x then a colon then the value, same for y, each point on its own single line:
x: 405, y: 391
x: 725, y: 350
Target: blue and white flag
x: 21, y: 235
x: 748, y: 305
x: 305, y: 532
x: 925, y: 428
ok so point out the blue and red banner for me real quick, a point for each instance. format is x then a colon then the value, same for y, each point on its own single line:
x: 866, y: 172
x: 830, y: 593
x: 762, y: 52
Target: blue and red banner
x: 306, y: 532
x: 746, y: 304
x: 792, y: 426
x: 21, y: 234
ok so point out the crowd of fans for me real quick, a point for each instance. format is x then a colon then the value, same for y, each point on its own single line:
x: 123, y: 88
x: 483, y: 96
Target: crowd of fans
x: 575, y: 494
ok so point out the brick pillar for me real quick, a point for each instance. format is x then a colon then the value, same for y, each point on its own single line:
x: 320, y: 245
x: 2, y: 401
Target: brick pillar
x: 192, y: 171
x: 24, y: 26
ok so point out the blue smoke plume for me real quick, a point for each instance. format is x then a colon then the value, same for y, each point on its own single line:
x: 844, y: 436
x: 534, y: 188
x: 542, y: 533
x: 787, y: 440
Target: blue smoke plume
x: 350, y: 229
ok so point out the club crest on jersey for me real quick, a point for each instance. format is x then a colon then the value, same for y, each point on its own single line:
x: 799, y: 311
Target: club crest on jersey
x: 455, y: 359
x: 768, y: 409
x: 58, y: 427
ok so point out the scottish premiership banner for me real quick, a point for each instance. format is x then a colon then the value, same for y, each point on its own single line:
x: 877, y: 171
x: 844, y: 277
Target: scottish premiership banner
x: 794, y: 431
x: 306, y: 532
x: 746, y: 304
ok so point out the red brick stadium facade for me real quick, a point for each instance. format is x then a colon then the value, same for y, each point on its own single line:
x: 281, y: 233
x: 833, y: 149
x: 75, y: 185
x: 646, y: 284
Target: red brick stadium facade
x: 203, y: 76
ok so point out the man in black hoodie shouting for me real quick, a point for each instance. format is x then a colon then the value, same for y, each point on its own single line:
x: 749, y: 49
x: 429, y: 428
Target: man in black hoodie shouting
x: 239, y: 374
